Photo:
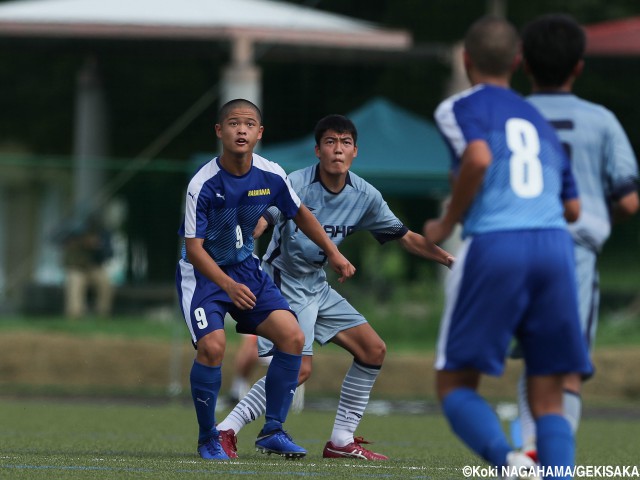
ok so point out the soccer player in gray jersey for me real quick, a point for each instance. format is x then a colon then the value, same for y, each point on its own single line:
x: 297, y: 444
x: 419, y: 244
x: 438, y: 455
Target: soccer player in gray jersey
x: 343, y: 203
x: 603, y: 164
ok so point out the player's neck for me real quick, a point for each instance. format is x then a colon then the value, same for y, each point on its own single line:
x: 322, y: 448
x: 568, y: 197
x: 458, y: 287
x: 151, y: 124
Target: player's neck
x: 565, y: 88
x: 495, y: 81
x: 236, y: 164
x: 333, y: 183
x: 477, y: 77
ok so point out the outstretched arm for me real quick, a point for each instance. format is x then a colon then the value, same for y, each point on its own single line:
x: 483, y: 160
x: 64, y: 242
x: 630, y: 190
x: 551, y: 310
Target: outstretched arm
x: 418, y: 245
x: 312, y: 229
x: 241, y: 296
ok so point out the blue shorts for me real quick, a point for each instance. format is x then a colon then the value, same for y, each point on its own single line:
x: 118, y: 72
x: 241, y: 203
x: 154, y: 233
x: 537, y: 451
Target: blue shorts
x: 322, y: 312
x: 513, y: 284
x: 204, y: 304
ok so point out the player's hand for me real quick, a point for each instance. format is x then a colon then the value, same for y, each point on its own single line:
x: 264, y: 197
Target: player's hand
x: 437, y: 230
x: 450, y: 262
x: 241, y: 296
x: 261, y: 226
x: 341, y: 266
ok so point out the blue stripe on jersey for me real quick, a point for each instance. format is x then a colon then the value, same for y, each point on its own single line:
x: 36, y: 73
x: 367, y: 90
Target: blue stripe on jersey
x: 529, y: 175
x: 223, y: 209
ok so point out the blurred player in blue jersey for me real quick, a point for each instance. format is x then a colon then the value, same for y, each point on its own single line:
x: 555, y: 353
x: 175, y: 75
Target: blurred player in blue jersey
x: 514, y: 275
x: 343, y: 203
x: 219, y: 274
x: 602, y: 162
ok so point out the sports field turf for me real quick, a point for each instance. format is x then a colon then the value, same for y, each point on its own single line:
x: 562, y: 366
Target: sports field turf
x: 42, y: 439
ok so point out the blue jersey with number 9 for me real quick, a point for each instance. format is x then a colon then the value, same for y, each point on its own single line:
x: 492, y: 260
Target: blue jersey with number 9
x: 223, y: 209
x: 529, y: 176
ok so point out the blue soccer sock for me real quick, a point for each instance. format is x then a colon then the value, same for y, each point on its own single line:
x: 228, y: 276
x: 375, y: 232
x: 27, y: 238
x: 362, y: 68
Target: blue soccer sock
x: 280, y: 385
x: 205, y: 386
x: 556, y: 447
x: 475, y: 422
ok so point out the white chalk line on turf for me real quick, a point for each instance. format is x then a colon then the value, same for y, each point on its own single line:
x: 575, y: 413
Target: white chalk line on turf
x: 256, y: 463
x: 302, y: 463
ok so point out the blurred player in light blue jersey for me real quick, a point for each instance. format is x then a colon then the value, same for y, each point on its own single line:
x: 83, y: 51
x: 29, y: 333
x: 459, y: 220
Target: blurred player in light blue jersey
x: 344, y: 204
x: 514, y: 275
x: 219, y: 274
x: 602, y: 162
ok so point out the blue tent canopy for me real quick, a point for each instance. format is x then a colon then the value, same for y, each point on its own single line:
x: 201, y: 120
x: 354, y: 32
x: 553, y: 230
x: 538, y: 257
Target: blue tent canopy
x: 400, y: 153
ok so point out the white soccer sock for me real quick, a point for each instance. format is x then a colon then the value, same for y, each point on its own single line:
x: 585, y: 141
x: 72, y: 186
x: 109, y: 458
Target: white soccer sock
x: 354, y: 398
x: 571, y: 406
x: 527, y: 423
x: 297, y: 405
x: 250, y: 408
x: 572, y: 409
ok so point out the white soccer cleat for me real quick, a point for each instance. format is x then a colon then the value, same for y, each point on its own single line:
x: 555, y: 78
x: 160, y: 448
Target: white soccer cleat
x: 521, y: 467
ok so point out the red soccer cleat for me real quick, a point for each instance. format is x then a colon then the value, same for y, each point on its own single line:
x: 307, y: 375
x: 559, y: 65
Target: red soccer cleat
x: 352, y: 450
x: 228, y: 441
x: 533, y: 455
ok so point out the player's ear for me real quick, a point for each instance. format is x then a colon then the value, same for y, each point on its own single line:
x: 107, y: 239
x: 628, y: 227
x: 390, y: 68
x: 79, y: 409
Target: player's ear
x: 218, y: 129
x: 317, y: 149
x: 466, y: 60
x: 578, y: 69
x: 516, y: 62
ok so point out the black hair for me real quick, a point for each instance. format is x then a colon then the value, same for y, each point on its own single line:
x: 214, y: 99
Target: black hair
x: 237, y: 102
x: 492, y: 44
x: 552, y: 45
x: 337, y: 123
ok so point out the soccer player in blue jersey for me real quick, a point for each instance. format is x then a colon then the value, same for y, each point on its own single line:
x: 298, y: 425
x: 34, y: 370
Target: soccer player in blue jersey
x: 514, y: 275
x: 603, y: 164
x: 344, y: 204
x: 219, y: 274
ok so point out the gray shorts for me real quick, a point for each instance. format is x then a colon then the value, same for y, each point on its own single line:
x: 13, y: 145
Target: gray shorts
x: 322, y: 312
x: 588, y: 291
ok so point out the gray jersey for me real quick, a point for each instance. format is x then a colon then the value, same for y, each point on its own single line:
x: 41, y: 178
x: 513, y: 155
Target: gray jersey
x: 602, y: 160
x: 359, y: 206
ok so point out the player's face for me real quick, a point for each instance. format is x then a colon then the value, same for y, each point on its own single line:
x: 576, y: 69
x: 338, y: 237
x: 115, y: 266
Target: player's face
x: 336, y: 152
x: 240, y: 131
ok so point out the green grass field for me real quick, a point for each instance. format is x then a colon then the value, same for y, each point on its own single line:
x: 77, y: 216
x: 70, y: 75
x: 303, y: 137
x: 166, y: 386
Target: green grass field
x: 40, y: 439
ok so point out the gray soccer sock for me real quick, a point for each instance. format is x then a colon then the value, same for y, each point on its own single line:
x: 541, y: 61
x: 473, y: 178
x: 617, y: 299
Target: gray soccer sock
x: 250, y: 408
x: 572, y: 409
x: 354, y: 398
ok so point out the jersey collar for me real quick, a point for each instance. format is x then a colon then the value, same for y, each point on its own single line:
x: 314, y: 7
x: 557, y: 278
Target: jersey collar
x: 316, y: 178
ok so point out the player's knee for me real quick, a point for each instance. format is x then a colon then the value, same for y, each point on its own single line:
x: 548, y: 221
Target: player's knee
x: 305, y: 373
x: 209, y: 356
x: 375, y: 352
x: 290, y: 341
x: 211, y: 350
x: 297, y: 340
